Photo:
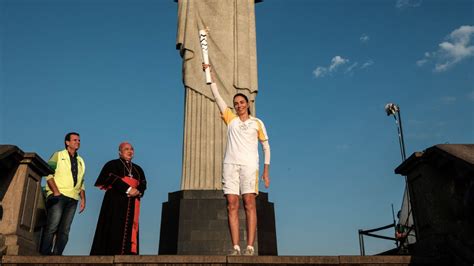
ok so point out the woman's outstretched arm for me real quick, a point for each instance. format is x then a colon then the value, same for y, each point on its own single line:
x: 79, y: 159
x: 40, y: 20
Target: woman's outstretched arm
x: 215, y: 91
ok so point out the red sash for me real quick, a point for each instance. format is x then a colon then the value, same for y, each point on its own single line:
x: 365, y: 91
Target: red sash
x: 134, y: 184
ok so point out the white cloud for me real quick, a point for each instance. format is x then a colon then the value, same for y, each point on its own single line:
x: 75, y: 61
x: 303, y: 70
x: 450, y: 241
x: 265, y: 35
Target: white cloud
x: 448, y: 100
x: 455, y: 49
x: 351, y: 67
x: 408, y: 3
x: 320, y: 72
x: 336, y: 62
x: 423, y: 61
x: 367, y: 64
x: 364, y: 38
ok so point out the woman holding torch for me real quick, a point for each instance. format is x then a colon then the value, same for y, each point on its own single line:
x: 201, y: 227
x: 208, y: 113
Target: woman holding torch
x: 240, y: 169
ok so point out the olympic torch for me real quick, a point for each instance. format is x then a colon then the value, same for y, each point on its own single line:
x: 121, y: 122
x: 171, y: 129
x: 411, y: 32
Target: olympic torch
x: 205, y: 55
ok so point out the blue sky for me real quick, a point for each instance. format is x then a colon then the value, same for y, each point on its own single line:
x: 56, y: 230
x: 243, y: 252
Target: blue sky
x: 109, y: 70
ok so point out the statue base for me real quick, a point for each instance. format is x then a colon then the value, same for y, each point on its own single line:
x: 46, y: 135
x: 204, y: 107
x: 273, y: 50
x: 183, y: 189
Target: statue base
x: 22, y: 209
x: 194, y: 222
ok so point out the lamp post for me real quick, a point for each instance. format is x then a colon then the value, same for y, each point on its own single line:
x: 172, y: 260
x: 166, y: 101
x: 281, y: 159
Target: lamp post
x: 393, y: 109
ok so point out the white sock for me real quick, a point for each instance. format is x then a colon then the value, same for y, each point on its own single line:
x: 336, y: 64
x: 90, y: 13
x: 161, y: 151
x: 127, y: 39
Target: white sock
x: 250, y: 247
x: 237, y: 247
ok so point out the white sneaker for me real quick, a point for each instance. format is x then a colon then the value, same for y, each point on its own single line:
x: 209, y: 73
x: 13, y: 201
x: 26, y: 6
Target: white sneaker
x: 234, y: 252
x: 249, y: 252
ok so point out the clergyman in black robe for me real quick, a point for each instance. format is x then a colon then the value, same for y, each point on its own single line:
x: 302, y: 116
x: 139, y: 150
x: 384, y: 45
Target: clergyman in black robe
x: 124, y: 184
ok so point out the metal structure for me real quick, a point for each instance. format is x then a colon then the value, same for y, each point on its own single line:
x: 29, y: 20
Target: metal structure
x: 393, y: 109
x: 401, y: 239
x: 404, y: 222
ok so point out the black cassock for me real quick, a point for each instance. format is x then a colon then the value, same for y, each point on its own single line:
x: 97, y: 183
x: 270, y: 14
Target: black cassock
x: 117, y: 228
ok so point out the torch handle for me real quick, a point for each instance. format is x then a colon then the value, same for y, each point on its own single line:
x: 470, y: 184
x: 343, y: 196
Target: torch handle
x: 205, y: 55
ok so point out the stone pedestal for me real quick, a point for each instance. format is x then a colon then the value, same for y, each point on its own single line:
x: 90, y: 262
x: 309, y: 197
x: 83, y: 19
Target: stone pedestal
x: 194, y: 222
x: 441, y: 183
x: 22, y: 210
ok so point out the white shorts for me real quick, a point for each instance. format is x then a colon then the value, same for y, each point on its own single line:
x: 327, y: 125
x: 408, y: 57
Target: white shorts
x: 240, y: 179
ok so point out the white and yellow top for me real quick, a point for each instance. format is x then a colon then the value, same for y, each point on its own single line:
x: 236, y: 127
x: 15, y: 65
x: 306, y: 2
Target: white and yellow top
x: 242, y: 136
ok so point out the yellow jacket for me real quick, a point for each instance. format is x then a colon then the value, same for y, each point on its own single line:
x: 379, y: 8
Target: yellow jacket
x: 61, y: 163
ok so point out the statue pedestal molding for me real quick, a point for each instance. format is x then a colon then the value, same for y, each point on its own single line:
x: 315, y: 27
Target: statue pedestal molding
x: 22, y: 212
x: 194, y: 222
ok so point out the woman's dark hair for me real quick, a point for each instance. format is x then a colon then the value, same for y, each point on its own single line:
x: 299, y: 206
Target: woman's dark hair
x: 245, y: 97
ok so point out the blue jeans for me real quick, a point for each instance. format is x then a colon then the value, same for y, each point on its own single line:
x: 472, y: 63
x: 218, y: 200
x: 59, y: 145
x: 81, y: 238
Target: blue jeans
x: 60, y: 211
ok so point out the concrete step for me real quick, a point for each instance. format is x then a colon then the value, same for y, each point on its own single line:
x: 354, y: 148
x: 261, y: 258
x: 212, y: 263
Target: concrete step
x: 218, y: 260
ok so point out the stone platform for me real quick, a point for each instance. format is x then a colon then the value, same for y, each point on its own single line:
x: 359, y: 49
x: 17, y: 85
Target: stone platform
x: 194, y: 222
x: 218, y: 260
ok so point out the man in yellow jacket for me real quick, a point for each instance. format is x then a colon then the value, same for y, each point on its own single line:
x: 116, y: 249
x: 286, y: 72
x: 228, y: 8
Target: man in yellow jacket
x: 64, y: 189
